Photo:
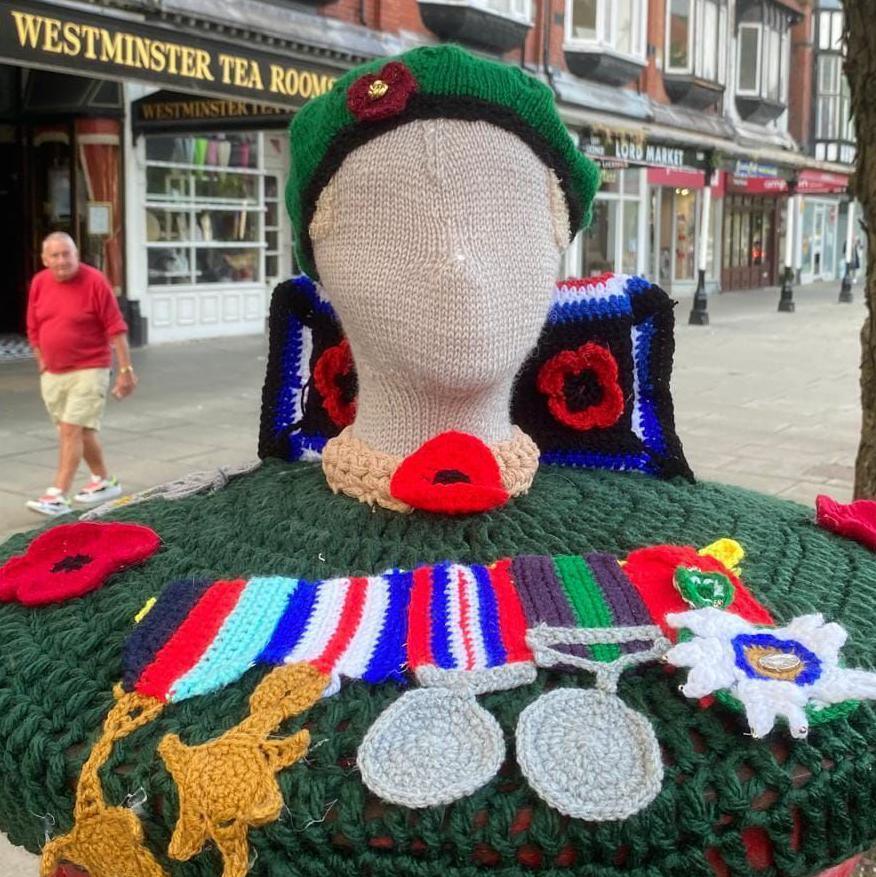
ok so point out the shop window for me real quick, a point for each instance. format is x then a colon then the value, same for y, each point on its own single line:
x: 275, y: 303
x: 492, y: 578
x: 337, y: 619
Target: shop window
x: 630, y: 238
x: 617, y: 25
x: 685, y: 234
x: 696, y: 38
x: 205, y: 205
x: 613, y: 240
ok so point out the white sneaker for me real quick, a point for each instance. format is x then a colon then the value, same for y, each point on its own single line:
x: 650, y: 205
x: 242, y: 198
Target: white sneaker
x: 51, y: 503
x: 98, y: 490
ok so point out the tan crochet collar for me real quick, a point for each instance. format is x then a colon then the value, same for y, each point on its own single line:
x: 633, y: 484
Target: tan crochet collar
x: 358, y: 470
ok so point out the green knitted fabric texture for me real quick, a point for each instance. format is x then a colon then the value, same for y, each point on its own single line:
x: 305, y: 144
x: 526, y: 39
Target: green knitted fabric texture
x: 324, y: 130
x: 812, y: 801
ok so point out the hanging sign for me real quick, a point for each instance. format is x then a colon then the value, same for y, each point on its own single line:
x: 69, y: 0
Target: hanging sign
x: 167, y: 111
x: 69, y: 39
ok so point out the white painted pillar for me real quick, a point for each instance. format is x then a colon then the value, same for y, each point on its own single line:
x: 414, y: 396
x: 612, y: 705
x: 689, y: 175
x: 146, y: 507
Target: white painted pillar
x: 850, y: 232
x: 705, y: 217
x: 791, y: 232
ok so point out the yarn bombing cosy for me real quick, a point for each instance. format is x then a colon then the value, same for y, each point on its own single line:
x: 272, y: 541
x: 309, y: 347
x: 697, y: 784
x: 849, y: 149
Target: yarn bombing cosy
x: 440, y: 630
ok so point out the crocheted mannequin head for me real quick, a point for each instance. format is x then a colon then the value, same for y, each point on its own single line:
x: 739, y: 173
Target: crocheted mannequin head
x: 433, y: 197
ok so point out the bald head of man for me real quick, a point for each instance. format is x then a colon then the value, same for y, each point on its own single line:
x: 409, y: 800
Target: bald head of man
x: 60, y: 256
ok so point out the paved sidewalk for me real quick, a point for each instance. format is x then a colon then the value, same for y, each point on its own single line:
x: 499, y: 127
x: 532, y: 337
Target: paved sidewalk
x: 196, y: 407
x: 769, y: 400
x: 764, y: 400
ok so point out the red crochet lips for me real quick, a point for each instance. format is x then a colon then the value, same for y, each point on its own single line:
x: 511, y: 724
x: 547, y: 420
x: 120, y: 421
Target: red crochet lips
x: 73, y: 559
x: 453, y: 473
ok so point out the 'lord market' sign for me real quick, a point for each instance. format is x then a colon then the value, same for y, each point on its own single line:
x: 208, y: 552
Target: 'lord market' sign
x: 65, y: 38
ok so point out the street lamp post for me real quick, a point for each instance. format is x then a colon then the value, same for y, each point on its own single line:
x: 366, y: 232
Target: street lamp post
x: 845, y: 296
x: 699, y: 312
x: 786, y: 299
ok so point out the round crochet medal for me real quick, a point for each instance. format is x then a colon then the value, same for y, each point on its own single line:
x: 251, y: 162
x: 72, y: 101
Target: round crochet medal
x: 432, y: 746
x: 584, y: 751
x: 588, y: 754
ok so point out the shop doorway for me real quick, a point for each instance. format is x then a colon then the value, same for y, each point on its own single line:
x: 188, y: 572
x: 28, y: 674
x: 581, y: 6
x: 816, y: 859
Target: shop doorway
x: 13, y: 246
x: 674, y: 212
x: 60, y: 170
x: 749, y: 258
x: 818, y: 241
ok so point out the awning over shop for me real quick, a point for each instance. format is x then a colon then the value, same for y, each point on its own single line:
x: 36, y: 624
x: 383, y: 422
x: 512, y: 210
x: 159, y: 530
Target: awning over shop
x: 49, y: 36
x: 811, y: 182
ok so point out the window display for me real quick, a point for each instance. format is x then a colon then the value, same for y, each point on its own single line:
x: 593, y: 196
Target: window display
x: 205, y: 196
x: 613, y: 240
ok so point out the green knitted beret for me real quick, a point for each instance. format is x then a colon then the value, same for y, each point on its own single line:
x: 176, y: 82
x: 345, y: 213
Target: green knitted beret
x: 427, y: 83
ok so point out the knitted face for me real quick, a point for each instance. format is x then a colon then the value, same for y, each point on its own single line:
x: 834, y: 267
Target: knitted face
x: 438, y: 243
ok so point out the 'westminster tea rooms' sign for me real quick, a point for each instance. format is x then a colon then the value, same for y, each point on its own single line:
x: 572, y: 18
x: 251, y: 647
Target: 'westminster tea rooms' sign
x: 65, y: 38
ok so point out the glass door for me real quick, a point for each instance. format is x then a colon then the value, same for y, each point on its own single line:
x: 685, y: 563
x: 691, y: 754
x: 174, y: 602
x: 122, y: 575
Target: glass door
x: 818, y: 241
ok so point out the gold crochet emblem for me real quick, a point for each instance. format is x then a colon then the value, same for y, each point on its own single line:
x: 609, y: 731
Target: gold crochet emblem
x: 230, y: 784
x: 377, y: 89
x: 106, y: 841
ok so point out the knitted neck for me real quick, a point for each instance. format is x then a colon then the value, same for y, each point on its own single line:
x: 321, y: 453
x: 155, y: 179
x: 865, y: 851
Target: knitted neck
x: 357, y: 469
x: 395, y: 416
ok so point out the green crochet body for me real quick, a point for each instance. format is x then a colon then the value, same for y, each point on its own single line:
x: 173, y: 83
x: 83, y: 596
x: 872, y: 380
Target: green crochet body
x: 815, y: 801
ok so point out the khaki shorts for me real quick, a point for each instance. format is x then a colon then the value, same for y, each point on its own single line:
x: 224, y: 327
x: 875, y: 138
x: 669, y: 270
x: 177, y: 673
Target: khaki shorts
x: 76, y: 397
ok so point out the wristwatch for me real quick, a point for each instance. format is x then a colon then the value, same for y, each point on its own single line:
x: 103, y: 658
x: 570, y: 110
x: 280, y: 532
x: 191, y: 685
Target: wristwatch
x: 128, y: 369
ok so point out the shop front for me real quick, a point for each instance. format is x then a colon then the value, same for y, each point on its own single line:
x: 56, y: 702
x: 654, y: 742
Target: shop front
x: 161, y: 152
x: 676, y: 206
x: 645, y: 214
x: 60, y: 170
x: 213, y: 236
x: 823, y: 225
x: 754, y: 221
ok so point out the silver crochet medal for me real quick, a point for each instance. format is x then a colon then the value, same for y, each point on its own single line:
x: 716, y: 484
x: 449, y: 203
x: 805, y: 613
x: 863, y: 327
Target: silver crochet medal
x: 432, y: 746
x: 584, y: 751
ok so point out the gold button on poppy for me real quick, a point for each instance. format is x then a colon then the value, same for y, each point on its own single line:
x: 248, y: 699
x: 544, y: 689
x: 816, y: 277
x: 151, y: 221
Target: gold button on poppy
x: 377, y: 89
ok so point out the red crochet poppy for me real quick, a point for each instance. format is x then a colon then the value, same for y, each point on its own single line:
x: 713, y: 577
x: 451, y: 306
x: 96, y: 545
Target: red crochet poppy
x: 381, y: 95
x: 553, y: 378
x: 855, y: 520
x: 73, y: 559
x: 454, y: 473
x: 333, y: 368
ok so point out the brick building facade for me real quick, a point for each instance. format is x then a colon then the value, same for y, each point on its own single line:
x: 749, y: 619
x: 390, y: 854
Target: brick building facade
x: 710, y: 148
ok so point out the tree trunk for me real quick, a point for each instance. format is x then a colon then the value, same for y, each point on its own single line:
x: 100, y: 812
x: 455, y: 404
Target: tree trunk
x: 860, y: 67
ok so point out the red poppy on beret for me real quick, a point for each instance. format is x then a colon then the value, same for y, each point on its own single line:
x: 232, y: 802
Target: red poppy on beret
x: 73, y: 559
x: 381, y: 95
x: 589, y: 360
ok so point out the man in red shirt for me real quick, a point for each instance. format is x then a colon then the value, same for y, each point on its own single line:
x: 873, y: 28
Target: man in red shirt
x: 72, y: 321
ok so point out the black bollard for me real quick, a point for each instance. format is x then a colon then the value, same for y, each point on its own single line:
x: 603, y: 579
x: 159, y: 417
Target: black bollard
x: 786, y: 300
x: 699, y: 312
x: 845, y: 296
